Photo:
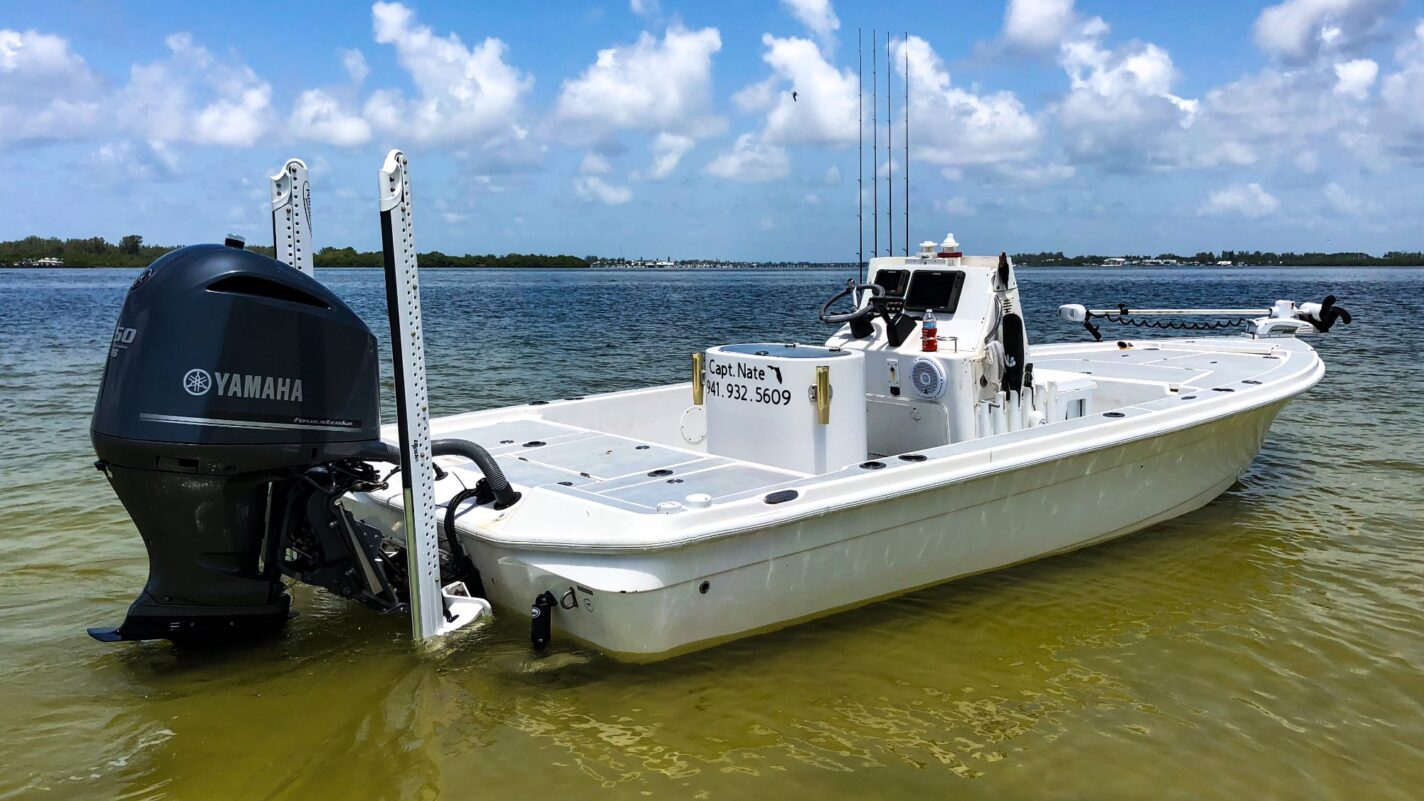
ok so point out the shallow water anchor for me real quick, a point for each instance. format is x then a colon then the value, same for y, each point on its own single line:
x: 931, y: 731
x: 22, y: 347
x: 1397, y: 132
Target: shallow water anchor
x: 291, y: 216
x: 429, y: 615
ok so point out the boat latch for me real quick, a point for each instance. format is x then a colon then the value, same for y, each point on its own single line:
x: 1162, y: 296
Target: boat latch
x: 823, y: 395
x: 697, y: 379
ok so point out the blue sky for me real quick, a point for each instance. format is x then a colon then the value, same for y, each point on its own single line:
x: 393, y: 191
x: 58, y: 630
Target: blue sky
x: 659, y: 128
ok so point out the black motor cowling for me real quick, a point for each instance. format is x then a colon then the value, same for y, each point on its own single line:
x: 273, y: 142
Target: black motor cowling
x: 233, y: 382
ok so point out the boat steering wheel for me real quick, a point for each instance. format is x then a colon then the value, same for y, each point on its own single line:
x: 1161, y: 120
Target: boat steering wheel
x: 871, y: 307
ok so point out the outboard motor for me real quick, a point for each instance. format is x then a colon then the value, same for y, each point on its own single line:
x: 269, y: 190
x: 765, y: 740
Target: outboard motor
x: 239, y: 402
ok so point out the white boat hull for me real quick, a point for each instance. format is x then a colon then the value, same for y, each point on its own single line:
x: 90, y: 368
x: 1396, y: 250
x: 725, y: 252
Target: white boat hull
x: 652, y: 604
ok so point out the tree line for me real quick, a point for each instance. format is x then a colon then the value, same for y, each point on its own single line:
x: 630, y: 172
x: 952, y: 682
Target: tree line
x: 132, y: 252
x: 1260, y: 258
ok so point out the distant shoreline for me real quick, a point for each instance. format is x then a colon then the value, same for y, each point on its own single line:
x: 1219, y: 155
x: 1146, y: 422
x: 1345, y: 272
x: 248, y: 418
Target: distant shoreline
x: 96, y: 252
x: 799, y: 267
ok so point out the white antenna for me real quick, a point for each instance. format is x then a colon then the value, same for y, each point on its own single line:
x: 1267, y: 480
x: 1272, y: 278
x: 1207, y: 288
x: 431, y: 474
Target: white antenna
x: 874, y: 145
x: 889, y: 156
x: 907, y: 143
x: 291, y: 216
x: 860, y: 156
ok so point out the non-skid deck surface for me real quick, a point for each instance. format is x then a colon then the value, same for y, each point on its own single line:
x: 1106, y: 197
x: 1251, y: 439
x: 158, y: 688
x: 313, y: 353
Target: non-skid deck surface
x: 623, y: 472
x: 1176, y: 365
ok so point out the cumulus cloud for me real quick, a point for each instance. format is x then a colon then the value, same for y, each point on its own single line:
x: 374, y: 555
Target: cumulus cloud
x: 463, y: 95
x: 1354, y: 78
x: 1037, y: 24
x: 668, y: 150
x: 758, y: 96
x: 1402, y: 93
x: 128, y: 161
x: 824, y: 110
x: 591, y: 185
x: 1120, y: 102
x: 818, y: 17
x: 1342, y: 201
x: 46, y: 90
x: 192, y: 96
x: 1296, y: 30
x: 321, y: 117
x: 1242, y: 200
x: 354, y: 62
x: 660, y: 86
x: 956, y: 127
x: 751, y: 160
x: 653, y: 84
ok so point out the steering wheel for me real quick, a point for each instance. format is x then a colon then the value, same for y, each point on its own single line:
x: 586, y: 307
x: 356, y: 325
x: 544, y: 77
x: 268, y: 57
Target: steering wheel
x: 851, y: 287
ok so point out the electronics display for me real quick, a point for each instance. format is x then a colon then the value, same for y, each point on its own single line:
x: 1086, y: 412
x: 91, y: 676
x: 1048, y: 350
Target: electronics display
x: 934, y: 290
x: 894, y: 282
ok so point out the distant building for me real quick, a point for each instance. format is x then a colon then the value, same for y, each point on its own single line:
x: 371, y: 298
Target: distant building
x: 1224, y: 263
x: 1114, y: 261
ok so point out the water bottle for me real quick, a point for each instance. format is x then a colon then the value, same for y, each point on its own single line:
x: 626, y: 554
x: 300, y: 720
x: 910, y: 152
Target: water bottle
x: 929, y: 333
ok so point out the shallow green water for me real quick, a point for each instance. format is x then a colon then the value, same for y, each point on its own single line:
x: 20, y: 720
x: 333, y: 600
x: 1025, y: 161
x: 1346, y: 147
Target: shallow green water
x: 1269, y: 645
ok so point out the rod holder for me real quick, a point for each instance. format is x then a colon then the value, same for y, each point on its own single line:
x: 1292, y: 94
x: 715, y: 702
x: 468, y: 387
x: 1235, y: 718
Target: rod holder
x: 823, y: 395
x: 697, y: 388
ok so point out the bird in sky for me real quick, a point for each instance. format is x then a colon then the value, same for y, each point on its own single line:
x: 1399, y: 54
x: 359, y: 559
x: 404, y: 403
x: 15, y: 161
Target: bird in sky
x: 793, y: 97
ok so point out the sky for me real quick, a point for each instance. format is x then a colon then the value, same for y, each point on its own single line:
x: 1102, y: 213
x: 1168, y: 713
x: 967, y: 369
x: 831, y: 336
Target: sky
x: 658, y: 128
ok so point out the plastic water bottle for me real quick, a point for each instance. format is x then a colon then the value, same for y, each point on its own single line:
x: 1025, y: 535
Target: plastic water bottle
x: 929, y: 333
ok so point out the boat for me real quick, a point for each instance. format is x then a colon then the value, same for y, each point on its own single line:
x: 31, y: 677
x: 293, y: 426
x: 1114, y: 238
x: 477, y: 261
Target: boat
x: 924, y: 440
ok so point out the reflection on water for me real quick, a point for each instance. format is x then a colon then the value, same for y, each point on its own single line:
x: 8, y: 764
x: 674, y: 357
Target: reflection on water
x: 1266, y: 645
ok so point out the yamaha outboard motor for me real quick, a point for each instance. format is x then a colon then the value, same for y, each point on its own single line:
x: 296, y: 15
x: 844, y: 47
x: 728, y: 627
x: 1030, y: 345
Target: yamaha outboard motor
x: 239, y: 402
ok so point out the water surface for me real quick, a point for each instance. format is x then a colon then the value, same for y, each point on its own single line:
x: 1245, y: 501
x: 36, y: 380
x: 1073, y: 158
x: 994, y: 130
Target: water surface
x: 1269, y: 645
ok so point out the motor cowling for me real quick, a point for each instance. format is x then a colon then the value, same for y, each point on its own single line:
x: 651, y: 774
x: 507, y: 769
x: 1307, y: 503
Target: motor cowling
x: 230, y: 378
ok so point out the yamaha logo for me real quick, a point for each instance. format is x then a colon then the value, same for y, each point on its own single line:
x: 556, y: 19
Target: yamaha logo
x: 197, y: 382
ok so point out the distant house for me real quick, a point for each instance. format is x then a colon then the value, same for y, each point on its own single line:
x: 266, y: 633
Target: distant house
x: 1114, y: 261
x: 1223, y: 263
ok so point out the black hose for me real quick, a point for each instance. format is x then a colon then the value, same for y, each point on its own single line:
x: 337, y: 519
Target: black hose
x: 504, y: 495
x: 462, y: 566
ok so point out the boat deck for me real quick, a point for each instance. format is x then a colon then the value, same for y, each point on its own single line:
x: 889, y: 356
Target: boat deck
x: 615, y: 470
x: 614, y: 483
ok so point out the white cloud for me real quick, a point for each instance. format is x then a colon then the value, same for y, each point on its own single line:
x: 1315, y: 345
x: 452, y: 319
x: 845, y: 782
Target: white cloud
x: 464, y: 95
x: 319, y: 116
x: 955, y: 127
x: 811, y: 199
x: 1120, y: 104
x: 1402, y: 94
x: 194, y: 97
x: 824, y: 109
x: 668, y: 150
x: 1298, y: 29
x: 1342, y: 201
x: 818, y: 17
x: 658, y: 86
x: 957, y: 206
x: 1037, y: 24
x: 644, y: 8
x: 1354, y: 78
x: 128, y: 161
x: 46, y: 90
x: 591, y: 185
x: 751, y: 160
x: 354, y: 61
x: 595, y: 164
x: 1244, y: 200
x: 650, y: 85
x: 759, y: 96
x: 832, y: 176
